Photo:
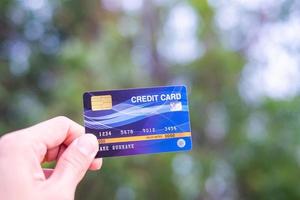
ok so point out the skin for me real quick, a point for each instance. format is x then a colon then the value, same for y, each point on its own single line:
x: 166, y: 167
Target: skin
x: 23, y: 151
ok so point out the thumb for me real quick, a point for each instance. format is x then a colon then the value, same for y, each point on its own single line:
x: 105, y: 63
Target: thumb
x: 75, y: 161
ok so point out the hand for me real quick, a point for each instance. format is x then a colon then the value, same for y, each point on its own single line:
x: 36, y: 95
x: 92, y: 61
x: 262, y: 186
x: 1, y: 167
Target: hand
x: 22, y: 152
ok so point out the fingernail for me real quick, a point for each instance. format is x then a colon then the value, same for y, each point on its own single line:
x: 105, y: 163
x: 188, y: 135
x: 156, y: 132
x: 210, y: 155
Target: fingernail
x: 98, y: 163
x: 87, y: 144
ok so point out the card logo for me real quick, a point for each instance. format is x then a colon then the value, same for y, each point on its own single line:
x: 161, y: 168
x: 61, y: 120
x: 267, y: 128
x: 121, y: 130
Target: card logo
x: 181, y: 143
x: 176, y: 106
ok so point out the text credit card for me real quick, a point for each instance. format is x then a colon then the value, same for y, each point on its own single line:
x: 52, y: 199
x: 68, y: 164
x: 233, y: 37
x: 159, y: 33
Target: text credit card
x: 138, y: 121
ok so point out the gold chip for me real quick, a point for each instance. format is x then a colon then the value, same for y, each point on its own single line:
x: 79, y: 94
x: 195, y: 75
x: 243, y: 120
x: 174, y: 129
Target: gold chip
x: 103, y: 102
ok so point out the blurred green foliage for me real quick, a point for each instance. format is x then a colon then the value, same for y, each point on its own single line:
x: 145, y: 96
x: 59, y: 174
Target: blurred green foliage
x: 88, y: 49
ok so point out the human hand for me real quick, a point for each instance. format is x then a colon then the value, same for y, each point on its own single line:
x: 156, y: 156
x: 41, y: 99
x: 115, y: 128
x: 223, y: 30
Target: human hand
x: 23, y: 151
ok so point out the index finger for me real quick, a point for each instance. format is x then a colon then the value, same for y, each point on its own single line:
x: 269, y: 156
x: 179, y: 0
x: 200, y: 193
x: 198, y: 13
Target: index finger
x: 46, y: 138
x: 42, y: 138
x: 54, y: 132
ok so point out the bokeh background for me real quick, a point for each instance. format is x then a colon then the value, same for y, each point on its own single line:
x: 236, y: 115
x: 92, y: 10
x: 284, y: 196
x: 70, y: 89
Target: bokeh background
x: 239, y: 58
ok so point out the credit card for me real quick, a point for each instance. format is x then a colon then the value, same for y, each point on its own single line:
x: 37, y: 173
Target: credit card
x: 139, y: 120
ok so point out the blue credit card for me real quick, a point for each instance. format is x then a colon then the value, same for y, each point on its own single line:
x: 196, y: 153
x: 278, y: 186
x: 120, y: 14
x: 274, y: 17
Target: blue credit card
x: 138, y: 121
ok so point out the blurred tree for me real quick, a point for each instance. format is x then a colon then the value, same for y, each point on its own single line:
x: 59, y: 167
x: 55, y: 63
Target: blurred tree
x: 246, y: 141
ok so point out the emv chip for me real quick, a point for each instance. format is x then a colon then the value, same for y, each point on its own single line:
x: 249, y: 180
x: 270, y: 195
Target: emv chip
x: 102, y: 102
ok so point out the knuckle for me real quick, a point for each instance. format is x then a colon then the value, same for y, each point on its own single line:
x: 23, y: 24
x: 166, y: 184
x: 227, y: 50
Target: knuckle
x: 62, y: 122
x: 62, y: 119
